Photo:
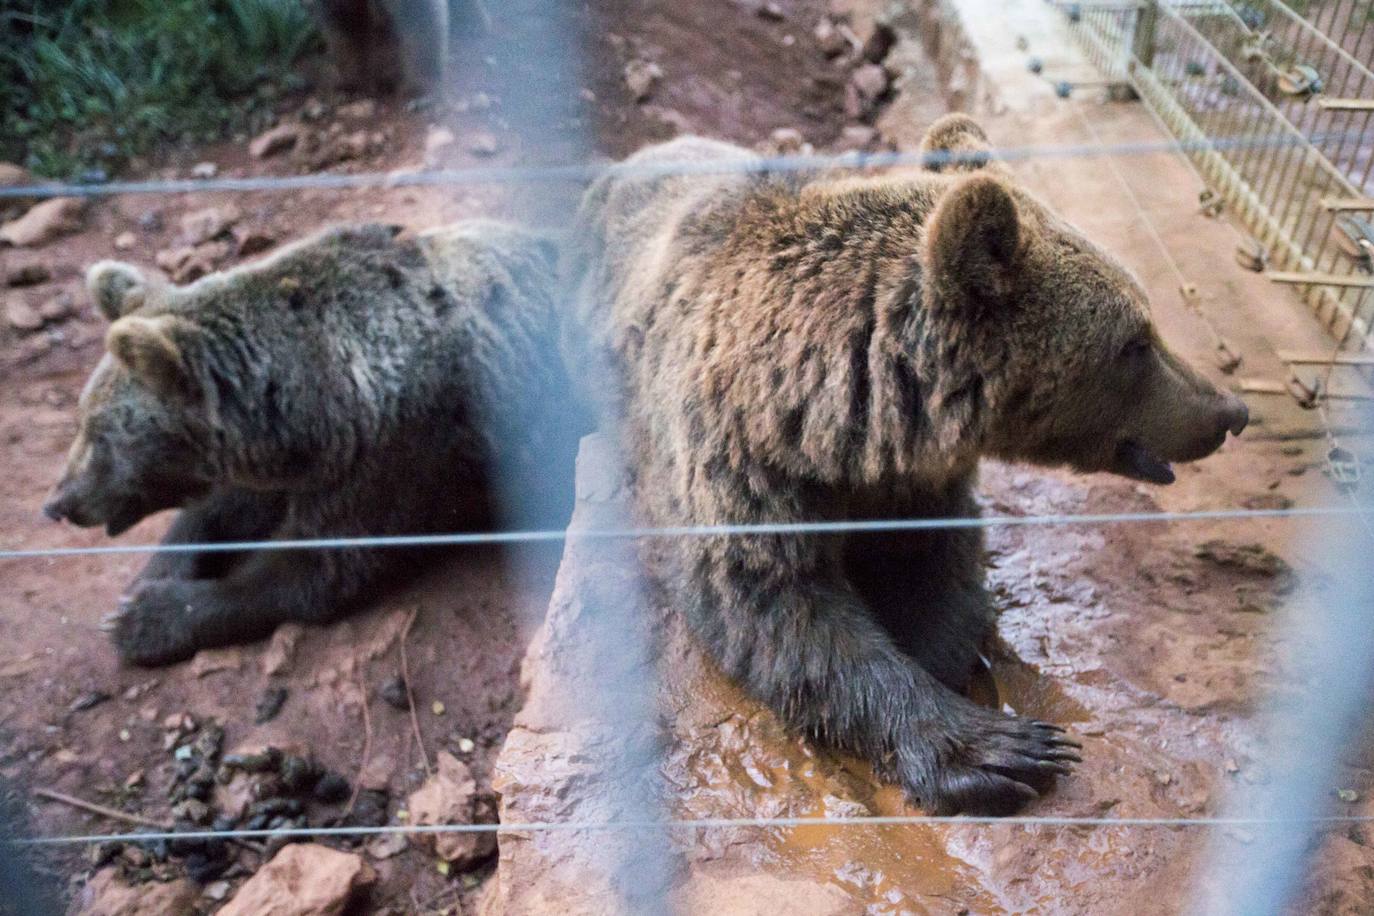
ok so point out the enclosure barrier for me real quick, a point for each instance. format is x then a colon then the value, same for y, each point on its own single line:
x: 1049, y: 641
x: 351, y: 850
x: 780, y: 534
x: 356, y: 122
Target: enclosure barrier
x: 1229, y: 79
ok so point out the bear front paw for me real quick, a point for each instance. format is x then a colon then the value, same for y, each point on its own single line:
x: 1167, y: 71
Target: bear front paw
x: 994, y: 766
x: 153, y: 624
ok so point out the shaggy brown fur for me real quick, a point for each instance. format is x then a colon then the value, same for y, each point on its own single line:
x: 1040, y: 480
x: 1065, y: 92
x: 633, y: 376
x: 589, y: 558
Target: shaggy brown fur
x: 358, y: 383
x: 796, y: 349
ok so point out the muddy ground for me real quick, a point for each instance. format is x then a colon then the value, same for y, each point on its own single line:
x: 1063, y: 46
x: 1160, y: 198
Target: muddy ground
x: 1160, y: 643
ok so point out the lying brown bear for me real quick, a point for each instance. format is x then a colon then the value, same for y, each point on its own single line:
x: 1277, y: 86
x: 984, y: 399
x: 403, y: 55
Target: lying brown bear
x: 794, y: 349
x: 357, y: 383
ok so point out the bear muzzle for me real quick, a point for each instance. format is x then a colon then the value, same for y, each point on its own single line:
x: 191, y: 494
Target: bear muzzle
x: 1152, y: 464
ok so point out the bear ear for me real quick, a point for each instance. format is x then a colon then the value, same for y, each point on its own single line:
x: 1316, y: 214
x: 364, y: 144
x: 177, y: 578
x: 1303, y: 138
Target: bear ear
x: 117, y: 288
x: 955, y: 143
x: 154, y: 350
x: 973, y: 241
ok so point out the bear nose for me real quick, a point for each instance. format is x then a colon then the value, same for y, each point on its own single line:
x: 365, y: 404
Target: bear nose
x: 1235, y: 415
x: 53, y: 509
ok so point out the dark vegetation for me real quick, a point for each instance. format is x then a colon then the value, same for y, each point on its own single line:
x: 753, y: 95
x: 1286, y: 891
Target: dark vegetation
x: 87, y: 84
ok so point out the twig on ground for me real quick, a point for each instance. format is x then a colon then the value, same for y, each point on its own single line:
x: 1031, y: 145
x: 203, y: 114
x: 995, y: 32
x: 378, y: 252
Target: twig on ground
x: 410, y: 694
x: 113, y: 814
x: 367, y: 751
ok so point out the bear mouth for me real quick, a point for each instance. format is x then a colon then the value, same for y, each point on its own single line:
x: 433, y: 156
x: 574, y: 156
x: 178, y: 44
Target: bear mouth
x: 1139, y: 463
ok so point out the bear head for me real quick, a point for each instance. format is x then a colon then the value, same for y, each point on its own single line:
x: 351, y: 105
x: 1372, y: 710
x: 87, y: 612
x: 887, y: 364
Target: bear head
x: 143, y: 439
x: 1049, y: 338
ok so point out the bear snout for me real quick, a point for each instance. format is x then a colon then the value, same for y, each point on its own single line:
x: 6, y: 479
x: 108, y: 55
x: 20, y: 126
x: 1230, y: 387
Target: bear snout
x: 53, y: 509
x: 61, y: 507
x: 1235, y: 415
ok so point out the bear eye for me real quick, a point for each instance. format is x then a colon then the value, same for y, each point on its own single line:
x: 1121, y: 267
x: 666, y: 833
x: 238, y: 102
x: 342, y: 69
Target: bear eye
x: 1136, y: 348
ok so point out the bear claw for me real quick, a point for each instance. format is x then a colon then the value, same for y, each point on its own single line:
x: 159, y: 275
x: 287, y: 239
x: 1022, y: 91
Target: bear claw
x: 149, y: 627
x: 997, y: 765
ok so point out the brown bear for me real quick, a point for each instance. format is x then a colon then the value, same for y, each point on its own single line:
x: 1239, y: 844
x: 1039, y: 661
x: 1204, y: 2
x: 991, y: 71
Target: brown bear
x: 357, y: 383
x: 796, y: 348
x: 384, y: 45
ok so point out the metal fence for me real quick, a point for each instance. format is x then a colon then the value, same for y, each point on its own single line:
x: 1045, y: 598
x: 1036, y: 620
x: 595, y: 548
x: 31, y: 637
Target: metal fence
x: 1276, y: 105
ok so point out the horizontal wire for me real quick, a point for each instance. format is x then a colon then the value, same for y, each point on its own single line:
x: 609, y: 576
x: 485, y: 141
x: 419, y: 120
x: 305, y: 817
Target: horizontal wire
x: 710, y: 823
x: 580, y: 172
x: 594, y: 534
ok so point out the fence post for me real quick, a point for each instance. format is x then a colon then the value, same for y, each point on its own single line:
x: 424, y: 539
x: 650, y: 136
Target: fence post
x: 1143, y: 43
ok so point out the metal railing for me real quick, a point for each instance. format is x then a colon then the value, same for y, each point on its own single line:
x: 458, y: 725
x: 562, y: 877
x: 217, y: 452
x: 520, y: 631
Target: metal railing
x: 1276, y: 108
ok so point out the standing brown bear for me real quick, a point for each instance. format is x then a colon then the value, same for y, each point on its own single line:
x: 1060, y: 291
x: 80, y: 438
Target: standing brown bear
x: 809, y: 348
x: 357, y: 383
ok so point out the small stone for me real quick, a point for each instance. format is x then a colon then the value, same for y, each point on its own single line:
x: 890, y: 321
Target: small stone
x: 124, y: 735
x: 438, y: 138
x: 193, y: 810
x: 867, y: 85
x: 857, y: 137
x: 280, y: 139
x: 277, y: 658
x: 483, y: 143
x: 1349, y: 796
x: 361, y: 110
x: 125, y: 240
x: 641, y: 78
x: 437, y: 707
x: 44, y: 222
x: 788, y: 141
x: 249, y: 242
x: 217, y: 890
x: 88, y: 700
x: 466, y: 745
x: 29, y: 273
x: 204, y: 170
x: 314, y: 110
x: 269, y: 704
x: 829, y: 39
x: 21, y: 316
x: 13, y: 176
x: 58, y: 307
x: 203, y: 225
x: 387, y: 845
x: 393, y: 693
x: 772, y: 12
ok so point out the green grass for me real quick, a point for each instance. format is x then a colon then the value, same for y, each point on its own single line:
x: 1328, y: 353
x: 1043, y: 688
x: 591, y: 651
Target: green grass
x: 89, y: 83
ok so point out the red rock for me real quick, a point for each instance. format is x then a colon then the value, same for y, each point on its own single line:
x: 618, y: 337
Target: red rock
x: 280, y: 139
x: 106, y: 895
x: 204, y: 225
x: 44, y: 222
x: 304, y: 879
x: 450, y: 797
